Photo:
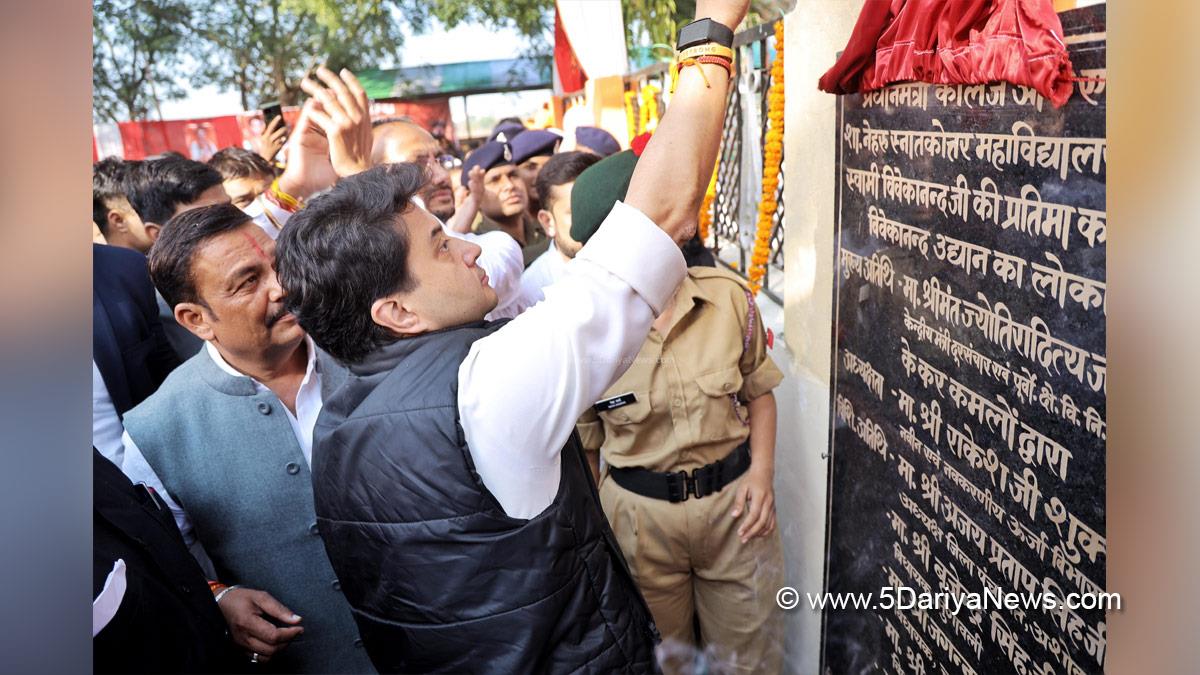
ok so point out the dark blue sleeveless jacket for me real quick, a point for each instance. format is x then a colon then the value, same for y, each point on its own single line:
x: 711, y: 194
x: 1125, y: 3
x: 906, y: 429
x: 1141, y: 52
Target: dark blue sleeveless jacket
x: 439, y: 578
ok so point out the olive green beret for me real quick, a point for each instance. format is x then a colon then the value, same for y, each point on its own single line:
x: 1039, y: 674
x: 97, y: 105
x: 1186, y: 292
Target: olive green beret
x: 596, y: 190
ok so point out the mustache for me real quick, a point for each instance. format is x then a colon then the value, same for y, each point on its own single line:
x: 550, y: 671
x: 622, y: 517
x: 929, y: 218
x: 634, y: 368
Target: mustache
x: 274, y: 318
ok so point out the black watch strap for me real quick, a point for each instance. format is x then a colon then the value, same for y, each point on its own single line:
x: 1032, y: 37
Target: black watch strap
x: 703, y: 31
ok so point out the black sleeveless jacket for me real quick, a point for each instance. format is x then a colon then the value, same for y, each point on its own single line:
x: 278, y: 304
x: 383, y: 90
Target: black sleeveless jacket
x: 440, y: 579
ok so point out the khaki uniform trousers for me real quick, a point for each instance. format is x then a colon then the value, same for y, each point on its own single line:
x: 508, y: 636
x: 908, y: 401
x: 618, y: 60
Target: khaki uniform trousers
x: 687, y: 559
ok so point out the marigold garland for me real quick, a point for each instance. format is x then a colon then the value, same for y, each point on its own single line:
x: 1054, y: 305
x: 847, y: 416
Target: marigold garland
x: 706, y: 206
x: 649, y: 109
x: 772, y: 159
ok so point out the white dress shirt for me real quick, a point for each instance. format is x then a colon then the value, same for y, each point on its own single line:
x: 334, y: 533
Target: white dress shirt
x: 522, y: 388
x: 308, y: 406
x: 106, y: 424
x: 548, y: 268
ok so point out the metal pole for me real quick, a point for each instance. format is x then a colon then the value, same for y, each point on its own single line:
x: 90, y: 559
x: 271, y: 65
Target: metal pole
x: 467, y: 116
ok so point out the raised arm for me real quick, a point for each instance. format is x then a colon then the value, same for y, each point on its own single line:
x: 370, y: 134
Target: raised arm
x: 522, y: 389
x: 678, y: 160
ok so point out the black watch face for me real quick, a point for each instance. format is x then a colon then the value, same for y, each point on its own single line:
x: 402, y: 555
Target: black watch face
x: 691, y: 33
x: 702, y: 31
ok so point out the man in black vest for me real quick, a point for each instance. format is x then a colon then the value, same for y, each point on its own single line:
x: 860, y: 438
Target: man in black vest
x: 450, y: 489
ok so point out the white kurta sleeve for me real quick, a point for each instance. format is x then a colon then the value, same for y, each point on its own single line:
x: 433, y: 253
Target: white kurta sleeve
x: 522, y: 388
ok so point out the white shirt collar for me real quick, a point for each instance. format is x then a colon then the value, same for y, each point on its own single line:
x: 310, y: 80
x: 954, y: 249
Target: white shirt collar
x: 309, y: 368
x: 308, y: 396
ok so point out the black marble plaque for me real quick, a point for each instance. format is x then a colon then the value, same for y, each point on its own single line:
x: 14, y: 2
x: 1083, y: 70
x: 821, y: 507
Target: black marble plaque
x: 969, y: 376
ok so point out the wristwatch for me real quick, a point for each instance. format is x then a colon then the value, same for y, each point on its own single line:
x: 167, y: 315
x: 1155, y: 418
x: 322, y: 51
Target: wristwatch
x: 703, y: 31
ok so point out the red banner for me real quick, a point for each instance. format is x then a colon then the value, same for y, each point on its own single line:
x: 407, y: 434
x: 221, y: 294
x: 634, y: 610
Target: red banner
x: 199, y: 138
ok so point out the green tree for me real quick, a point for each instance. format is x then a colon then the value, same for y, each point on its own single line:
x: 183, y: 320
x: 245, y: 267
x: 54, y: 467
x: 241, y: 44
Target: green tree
x: 136, y: 47
x: 656, y: 22
x: 264, y: 48
x: 533, y: 19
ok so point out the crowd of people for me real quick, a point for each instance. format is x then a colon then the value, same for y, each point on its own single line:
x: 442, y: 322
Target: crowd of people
x: 359, y: 407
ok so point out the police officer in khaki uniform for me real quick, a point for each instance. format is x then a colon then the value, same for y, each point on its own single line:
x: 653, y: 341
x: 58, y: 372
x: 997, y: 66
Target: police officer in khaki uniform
x: 688, y: 437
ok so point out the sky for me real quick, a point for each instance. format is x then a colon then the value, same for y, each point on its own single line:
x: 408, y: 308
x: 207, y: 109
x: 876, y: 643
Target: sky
x: 463, y: 43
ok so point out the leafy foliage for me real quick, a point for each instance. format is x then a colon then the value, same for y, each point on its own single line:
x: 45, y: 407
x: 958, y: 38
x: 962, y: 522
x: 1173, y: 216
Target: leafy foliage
x: 136, y: 45
x: 657, y: 22
x: 263, y: 48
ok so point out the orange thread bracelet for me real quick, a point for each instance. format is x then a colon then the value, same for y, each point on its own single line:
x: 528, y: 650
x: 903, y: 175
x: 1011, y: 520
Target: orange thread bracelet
x: 696, y: 61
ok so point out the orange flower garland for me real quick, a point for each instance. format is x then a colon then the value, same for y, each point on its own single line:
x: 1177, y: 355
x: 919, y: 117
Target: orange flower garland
x: 705, y: 221
x: 706, y: 206
x: 772, y: 159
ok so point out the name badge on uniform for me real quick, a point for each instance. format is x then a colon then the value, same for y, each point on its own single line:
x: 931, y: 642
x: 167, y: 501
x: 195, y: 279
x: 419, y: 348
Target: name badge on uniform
x: 614, y: 402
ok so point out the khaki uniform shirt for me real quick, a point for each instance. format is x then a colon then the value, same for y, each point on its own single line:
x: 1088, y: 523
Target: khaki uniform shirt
x: 684, y: 416
x: 536, y: 241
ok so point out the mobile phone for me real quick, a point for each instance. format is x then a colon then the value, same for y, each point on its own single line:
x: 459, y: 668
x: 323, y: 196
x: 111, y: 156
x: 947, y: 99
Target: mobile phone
x: 270, y: 111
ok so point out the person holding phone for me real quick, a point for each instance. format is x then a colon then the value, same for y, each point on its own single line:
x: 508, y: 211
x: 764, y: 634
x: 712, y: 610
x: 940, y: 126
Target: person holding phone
x: 274, y: 133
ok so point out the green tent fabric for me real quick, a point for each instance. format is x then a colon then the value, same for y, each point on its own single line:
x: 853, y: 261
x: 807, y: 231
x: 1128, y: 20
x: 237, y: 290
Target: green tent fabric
x: 455, y: 79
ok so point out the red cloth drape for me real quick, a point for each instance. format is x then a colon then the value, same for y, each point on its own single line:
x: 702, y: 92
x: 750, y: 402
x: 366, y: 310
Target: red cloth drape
x: 570, y: 72
x: 954, y: 42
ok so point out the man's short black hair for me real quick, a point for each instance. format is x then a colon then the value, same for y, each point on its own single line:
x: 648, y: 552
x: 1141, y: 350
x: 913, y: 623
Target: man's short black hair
x: 343, y: 252
x: 108, y: 178
x: 234, y: 162
x: 156, y: 187
x: 562, y: 168
x: 173, y: 252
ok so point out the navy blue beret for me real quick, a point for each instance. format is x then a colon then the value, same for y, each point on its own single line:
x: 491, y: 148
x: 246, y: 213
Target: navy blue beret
x: 510, y: 130
x: 533, y: 143
x: 486, y: 156
x: 597, y: 139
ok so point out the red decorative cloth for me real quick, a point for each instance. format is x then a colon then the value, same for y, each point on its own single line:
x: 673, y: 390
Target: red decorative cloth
x: 638, y: 144
x: 955, y: 42
x: 570, y: 73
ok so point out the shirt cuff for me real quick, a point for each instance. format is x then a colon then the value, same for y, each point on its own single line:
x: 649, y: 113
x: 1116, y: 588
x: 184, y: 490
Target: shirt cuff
x: 635, y: 250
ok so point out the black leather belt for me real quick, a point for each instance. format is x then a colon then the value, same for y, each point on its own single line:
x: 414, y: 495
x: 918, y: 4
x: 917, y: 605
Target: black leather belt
x: 677, y: 486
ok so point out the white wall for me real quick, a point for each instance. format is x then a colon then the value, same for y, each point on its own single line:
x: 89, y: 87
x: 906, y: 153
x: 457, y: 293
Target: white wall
x: 813, y: 32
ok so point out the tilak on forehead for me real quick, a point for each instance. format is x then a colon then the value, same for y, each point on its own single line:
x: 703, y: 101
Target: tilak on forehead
x: 261, y: 253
